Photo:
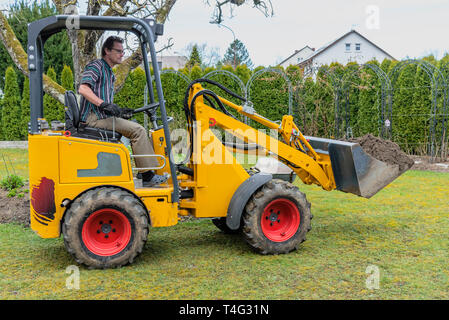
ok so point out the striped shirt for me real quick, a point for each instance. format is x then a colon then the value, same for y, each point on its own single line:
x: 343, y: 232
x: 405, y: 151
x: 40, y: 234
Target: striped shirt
x: 100, y: 78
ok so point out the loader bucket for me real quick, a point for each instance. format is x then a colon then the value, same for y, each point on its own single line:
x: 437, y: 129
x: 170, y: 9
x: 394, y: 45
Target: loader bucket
x: 354, y: 170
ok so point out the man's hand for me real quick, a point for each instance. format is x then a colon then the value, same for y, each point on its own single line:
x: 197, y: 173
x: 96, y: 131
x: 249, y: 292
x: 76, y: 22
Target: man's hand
x: 110, y: 109
x: 126, y: 113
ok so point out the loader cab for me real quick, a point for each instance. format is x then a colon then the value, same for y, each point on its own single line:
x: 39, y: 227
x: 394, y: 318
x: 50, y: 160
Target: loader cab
x: 146, y: 30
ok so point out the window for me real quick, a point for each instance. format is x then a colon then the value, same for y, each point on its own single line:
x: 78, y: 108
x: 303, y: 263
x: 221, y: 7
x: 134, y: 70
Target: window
x: 348, y: 47
x: 357, y: 47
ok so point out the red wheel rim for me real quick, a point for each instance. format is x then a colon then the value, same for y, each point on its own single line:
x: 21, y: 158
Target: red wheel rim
x: 280, y: 220
x: 106, y: 232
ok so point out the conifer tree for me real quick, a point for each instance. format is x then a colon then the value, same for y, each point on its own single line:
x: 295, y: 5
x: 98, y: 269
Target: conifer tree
x: 195, y: 58
x: 324, y: 101
x: 53, y: 110
x: 67, y: 78
x: 368, y: 114
x: 402, y: 105
x: 420, y: 112
x: 25, y: 109
x: 386, y: 65
x: 237, y: 54
x: 11, y: 122
x: 1, y: 128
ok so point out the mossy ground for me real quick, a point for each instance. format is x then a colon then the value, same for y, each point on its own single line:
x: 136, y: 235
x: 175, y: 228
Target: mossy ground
x: 402, y: 231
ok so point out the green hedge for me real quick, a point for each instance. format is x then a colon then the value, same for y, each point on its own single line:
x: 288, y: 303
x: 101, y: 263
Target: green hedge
x: 313, y: 99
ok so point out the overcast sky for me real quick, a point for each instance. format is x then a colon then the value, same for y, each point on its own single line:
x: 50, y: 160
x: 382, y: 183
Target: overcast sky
x: 403, y: 28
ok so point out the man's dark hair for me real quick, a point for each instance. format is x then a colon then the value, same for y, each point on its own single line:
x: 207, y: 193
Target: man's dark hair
x: 109, y: 44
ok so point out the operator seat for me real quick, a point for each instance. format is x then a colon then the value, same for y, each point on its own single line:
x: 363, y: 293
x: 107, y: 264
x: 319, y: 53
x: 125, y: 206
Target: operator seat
x: 80, y: 129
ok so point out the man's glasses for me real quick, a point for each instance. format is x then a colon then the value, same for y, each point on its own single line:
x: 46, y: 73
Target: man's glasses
x: 119, y: 51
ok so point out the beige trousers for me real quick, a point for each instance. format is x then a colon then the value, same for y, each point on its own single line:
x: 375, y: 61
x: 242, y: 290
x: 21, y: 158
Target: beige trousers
x: 141, y: 142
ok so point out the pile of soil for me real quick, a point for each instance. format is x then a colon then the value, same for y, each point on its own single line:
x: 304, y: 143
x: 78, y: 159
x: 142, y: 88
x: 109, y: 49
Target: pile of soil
x: 15, y: 209
x: 385, y: 150
x: 425, y: 163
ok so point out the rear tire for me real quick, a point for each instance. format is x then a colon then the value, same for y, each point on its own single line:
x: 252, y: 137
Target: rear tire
x: 105, y: 228
x: 276, y: 218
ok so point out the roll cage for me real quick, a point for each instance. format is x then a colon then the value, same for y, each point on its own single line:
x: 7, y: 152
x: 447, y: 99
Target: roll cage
x: 146, y: 30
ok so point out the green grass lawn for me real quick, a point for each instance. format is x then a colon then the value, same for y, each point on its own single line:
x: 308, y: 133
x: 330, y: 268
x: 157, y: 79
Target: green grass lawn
x: 403, y: 231
x: 14, y: 161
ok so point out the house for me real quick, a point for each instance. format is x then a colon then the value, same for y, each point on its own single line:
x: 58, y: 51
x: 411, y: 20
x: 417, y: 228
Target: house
x: 167, y: 62
x: 351, y: 47
x: 298, y: 57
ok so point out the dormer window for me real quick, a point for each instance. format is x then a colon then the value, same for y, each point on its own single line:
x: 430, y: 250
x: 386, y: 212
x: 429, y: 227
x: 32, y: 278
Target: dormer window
x: 348, y: 47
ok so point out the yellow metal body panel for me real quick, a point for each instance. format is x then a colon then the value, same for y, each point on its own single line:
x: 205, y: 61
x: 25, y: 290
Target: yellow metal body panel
x: 310, y: 167
x: 217, y: 174
x: 81, y: 154
x: 163, y: 213
x: 64, y: 167
x: 160, y: 145
x: 54, y: 164
x: 216, y: 178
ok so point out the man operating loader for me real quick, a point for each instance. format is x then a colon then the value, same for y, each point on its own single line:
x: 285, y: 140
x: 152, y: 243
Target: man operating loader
x: 99, y: 111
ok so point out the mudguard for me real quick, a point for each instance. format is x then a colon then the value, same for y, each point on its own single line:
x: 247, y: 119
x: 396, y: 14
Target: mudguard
x: 241, y: 197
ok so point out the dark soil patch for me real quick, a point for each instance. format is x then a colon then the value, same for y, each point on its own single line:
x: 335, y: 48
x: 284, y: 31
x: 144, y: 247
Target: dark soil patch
x: 424, y: 163
x: 385, y: 150
x: 15, y: 209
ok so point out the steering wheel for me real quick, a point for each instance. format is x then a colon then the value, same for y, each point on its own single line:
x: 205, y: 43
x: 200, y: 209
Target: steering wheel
x: 151, y: 109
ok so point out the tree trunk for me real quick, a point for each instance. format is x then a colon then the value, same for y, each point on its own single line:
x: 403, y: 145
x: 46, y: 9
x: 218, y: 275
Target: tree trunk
x: 20, y: 58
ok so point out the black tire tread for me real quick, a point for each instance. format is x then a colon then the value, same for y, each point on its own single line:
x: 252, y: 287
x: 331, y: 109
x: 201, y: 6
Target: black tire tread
x: 220, y: 223
x: 85, y: 205
x: 252, y: 231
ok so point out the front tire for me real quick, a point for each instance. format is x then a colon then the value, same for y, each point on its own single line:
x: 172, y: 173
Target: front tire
x: 105, y: 228
x: 276, y: 218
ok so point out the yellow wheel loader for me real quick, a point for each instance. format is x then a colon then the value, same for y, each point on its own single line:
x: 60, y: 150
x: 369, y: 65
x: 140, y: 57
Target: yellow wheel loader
x: 82, y: 182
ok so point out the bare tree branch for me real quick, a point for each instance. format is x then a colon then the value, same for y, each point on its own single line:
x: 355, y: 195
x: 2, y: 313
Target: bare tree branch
x: 122, y: 70
x: 84, y: 42
x: 217, y: 17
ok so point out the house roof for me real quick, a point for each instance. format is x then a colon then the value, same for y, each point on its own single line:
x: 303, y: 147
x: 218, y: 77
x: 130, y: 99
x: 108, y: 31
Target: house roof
x: 330, y: 44
x: 296, y: 52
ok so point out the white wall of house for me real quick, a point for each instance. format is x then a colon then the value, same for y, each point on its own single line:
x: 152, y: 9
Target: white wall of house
x: 351, y: 48
x: 298, y: 57
x: 175, y: 62
x: 167, y: 62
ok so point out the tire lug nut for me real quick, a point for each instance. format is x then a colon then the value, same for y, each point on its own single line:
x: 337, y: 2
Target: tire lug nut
x: 110, y: 221
x: 279, y: 221
x: 101, y: 222
x: 98, y: 231
x: 106, y: 236
x: 113, y: 230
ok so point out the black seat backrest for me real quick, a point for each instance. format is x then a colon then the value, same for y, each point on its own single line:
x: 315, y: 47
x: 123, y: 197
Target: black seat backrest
x: 72, y: 104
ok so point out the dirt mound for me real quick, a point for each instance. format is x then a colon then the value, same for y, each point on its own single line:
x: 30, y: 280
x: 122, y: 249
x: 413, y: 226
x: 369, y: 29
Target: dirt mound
x: 15, y: 209
x: 385, y: 150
